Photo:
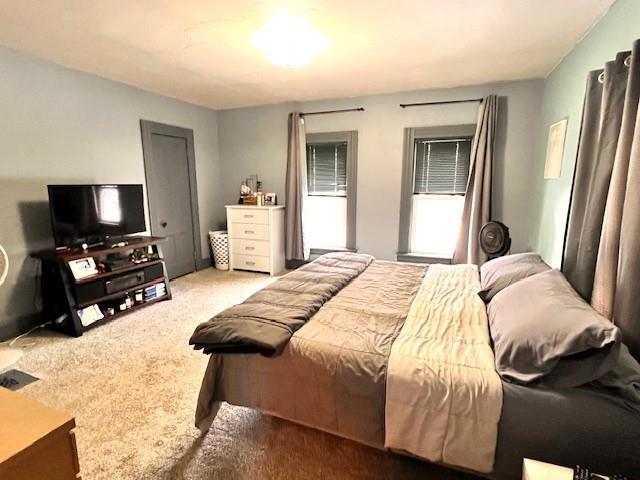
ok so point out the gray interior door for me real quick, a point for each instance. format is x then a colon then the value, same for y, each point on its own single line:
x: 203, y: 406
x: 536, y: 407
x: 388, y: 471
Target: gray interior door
x: 170, y: 173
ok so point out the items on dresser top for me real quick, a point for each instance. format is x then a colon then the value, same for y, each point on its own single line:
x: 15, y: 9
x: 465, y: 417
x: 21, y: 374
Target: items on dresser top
x: 37, y: 441
x: 251, y: 193
x: 256, y: 238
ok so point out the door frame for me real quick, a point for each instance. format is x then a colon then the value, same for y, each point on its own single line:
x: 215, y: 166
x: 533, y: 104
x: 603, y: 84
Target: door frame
x: 148, y: 128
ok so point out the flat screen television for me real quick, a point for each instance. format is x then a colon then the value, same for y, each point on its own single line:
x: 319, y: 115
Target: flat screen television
x: 93, y: 213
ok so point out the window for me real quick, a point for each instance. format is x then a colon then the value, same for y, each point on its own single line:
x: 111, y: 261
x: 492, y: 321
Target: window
x: 331, y: 182
x: 441, y: 167
x: 327, y: 169
x: 434, y: 184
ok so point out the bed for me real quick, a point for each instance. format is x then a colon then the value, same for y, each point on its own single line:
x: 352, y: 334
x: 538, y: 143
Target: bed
x: 345, y: 370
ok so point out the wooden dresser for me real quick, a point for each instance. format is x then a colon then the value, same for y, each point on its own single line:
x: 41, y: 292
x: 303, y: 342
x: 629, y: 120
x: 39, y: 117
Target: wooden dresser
x: 36, y: 442
x: 256, y: 238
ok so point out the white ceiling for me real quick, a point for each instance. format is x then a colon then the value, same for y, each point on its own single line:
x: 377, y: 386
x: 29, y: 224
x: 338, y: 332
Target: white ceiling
x: 201, y: 51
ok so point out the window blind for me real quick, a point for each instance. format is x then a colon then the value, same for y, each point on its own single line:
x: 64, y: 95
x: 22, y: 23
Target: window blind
x: 441, y: 166
x: 327, y: 169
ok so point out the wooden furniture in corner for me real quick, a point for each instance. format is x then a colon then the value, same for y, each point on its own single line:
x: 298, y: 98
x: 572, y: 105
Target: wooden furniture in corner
x: 256, y: 238
x: 37, y: 441
x: 63, y: 295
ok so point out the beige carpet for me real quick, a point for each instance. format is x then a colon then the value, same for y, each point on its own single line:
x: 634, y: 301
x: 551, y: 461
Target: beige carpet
x: 132, y: 385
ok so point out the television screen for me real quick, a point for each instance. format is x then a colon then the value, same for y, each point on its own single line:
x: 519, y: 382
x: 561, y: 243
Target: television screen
x: 91, y: 213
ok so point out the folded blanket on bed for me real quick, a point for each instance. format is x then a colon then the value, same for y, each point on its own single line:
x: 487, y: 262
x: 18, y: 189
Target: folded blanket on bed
x: 265, y: 321
x: 444, y: 397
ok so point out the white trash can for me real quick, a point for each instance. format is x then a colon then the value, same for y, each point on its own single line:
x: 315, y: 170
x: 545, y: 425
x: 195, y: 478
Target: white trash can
x: 220, y: 248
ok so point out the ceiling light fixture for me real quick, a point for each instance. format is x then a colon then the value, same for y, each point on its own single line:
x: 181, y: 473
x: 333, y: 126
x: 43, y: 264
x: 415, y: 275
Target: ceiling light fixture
x: 290, y: 42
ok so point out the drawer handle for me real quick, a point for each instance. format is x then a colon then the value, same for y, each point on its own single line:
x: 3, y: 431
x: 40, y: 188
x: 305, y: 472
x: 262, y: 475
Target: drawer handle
x: 249, y: 232
x: 248, y: 216
x: 249, y: 248
x: 249, y: 263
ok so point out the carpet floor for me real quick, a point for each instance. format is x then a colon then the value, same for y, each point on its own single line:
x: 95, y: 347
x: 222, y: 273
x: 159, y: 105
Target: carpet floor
x: 132, y: 385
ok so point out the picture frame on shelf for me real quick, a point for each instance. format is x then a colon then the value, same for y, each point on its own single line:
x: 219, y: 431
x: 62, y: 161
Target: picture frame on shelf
x: 83, y: 268
x: 270, y: 199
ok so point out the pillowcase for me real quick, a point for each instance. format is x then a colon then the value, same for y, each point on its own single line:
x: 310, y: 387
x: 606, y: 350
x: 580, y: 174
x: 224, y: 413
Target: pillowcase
x: 499, y: 273
x: 544, y: 332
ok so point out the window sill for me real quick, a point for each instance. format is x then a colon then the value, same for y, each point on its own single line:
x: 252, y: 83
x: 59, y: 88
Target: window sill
x: 422, y: 258
x: 322, y: 251
x: 332, y: 195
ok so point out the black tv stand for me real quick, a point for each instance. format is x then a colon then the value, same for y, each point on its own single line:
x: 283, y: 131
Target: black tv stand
x: 63, y: 296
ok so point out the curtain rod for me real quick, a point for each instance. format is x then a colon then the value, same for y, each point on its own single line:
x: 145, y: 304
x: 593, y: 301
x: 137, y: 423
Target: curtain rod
x: 444, y: 102
x: 359, y: 109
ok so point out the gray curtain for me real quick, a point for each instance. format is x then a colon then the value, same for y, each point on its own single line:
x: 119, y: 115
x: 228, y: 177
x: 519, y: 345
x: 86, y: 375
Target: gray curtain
x: 602, y: 247
x: 296, y: 190
x: 477, y: 202
x: 601, y: 120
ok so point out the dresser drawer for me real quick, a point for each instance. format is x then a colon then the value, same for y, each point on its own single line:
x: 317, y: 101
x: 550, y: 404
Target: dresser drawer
x: 248, y: 215
x: 260, y: 248
x: 249, y: 231
x: 251, y: 262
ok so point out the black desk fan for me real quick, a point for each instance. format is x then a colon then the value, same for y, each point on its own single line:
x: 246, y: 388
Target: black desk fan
x: 494, y: 239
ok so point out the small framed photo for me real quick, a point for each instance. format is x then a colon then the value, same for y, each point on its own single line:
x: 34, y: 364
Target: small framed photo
x: 83, y: 267
x: 555, y: 149
x: 270, y: 199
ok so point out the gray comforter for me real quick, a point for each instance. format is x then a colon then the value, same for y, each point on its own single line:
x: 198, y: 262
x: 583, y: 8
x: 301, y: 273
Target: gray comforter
x: 265, y: 322
x: 332, y: 374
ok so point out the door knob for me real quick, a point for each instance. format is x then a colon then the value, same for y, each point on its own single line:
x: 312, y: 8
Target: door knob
x: 163, y: 224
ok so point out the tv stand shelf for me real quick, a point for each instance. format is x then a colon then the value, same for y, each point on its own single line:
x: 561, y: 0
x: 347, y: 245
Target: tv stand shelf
x: 117, y: 271
x: 119, y: 293
x: 132, y: 309
x: 76, y: 253
x: 63, y: 295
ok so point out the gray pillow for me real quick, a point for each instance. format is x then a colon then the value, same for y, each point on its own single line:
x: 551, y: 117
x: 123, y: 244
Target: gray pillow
x: 544, y: 332
x: 498, y: 274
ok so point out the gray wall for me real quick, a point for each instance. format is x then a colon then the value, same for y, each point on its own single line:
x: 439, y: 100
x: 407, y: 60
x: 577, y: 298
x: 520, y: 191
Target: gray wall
x: 59, y: 125
x: 563, y: 97
x: 254, y: 140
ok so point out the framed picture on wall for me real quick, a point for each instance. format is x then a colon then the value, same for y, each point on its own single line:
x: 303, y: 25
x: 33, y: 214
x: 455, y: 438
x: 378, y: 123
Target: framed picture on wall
x: 555, y: 149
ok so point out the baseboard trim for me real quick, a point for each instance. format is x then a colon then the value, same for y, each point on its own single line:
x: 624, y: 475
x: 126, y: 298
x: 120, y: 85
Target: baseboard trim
x: 203, y: 263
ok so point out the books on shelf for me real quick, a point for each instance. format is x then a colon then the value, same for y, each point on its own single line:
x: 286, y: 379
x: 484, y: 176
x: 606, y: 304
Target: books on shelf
x: 155, y: 291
